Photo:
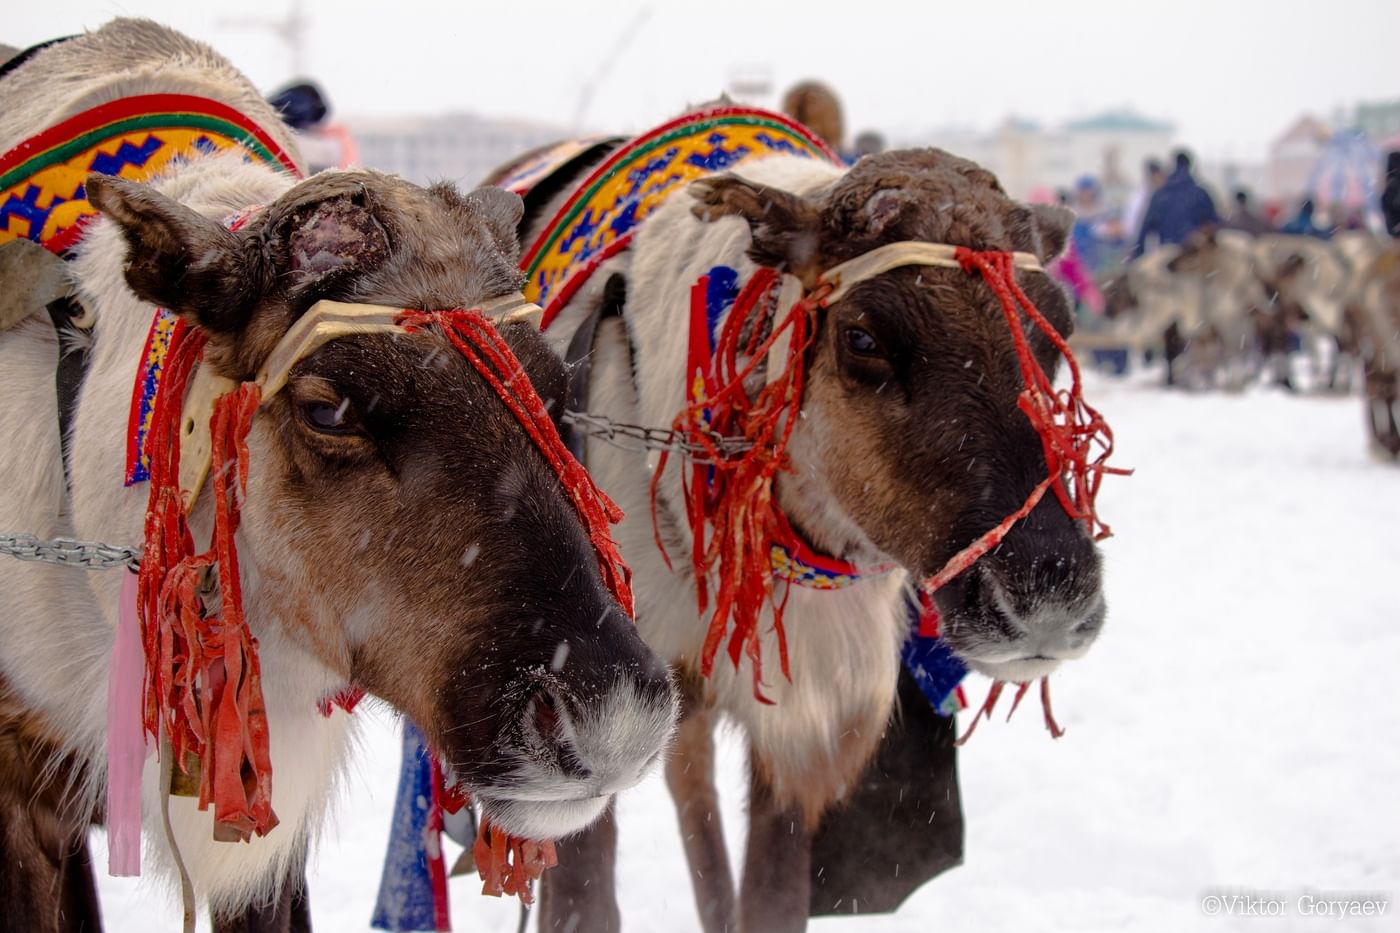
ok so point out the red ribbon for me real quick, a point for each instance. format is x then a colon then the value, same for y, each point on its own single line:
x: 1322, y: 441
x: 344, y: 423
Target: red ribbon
x: 202, y: 681
x: 476, y: 339
x: 734, y: 495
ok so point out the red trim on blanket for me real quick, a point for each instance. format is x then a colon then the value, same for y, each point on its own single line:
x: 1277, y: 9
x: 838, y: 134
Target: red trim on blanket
x: 140, y: 105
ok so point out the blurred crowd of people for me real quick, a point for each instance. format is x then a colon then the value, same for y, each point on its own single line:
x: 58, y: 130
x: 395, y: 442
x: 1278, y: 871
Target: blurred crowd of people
x: 1170, y: 205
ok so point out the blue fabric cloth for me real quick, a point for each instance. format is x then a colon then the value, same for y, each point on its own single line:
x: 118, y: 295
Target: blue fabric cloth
x: 406, y: 890
x: 1304, y: 225
x: 1177, y: 209
x: 1111, y: 360
x: 933, y: 666
x: 1086, y: 242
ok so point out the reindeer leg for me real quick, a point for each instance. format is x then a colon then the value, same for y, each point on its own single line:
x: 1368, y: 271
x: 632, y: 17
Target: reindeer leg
x: 1381, y: 416
x: 46, y: 879
x: 690, y: 774
x: 79, y: 903
x: 776, y: 892
x: 579, y: 895
x: 1392, y: 438
x: 288, y: 912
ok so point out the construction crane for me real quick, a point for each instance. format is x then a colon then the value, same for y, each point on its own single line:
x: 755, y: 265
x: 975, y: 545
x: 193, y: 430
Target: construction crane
x: 292, y: 29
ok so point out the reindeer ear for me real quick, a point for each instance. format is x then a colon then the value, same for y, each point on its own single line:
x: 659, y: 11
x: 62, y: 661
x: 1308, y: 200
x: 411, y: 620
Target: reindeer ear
x: 785, y: 227
x: 1053, y: 224
x: 501, y: 211
x: 881, y: 209
x: 329, y: 238
x: 179, y: 259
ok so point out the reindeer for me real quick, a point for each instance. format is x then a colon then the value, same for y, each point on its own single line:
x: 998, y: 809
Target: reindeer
x: 1213, y: 291
x: 1374, y: 310
x: 1357, y: 250
x: 401, y: 533
x: 909, y: 445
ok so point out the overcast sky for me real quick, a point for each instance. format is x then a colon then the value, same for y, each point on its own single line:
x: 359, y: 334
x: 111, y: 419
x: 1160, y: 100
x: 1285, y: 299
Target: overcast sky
x: 1230, y: 75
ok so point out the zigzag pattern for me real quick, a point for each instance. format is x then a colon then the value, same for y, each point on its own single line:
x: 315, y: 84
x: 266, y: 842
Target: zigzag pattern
x: 25, y: 205
x: 126, y: 155
x: 636, y: 179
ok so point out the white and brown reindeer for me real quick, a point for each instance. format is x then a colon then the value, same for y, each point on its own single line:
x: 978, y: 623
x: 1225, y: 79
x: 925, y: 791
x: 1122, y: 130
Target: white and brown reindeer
x: 1373, y: 308
x: 401, y: 533
x: 908, y: 446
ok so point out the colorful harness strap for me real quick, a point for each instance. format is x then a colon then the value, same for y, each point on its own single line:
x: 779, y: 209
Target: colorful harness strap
x: 413, y: 886
x: 526, y: 172
x: 42, y: 197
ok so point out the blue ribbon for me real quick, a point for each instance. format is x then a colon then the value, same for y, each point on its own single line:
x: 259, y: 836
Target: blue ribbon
x: 933, y: 666
x: 406, y: 899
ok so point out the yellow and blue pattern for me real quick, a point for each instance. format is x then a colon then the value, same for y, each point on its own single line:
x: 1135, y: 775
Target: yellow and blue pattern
x: 143, y: 400
x: 790, y: 565
x: 42, y: 196
x: 599, y: 220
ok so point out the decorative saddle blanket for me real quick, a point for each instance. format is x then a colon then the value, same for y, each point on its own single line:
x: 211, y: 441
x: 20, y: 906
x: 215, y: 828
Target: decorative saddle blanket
x: 598, y: 221
x: 41, y: 180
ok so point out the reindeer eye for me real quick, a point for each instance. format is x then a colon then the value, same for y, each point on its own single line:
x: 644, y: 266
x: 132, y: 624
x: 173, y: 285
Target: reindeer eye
x: 328, y: 418
x: 861, y: 343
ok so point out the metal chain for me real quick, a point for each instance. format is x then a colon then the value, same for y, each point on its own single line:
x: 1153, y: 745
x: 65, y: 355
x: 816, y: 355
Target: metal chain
x: 89, y: 555
x: 635, y: 437
x: 93, y: 555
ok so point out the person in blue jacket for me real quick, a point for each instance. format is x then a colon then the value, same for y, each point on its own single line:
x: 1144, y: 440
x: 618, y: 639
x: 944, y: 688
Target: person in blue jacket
x: 1304, y: 224
x: 1177, y: 209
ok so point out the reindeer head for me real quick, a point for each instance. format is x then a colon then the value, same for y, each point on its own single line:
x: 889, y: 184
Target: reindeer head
x: 911, y: 443
x: 399, y: 522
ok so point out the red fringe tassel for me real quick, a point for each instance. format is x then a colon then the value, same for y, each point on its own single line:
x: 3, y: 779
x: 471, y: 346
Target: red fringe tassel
x: 994, y: 694
x: 508, y: 864
x: 734, y: 495
x: 203, y: 683
x: 1068, y: 426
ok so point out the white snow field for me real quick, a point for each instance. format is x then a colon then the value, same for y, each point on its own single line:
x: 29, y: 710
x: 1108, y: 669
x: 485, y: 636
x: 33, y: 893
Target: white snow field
x: 1234, y: 731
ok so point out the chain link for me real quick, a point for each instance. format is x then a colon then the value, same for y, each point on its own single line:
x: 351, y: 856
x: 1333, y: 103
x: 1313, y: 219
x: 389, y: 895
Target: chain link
x: 635, y: 437
x: 89, y: 555
x: 93, y: 555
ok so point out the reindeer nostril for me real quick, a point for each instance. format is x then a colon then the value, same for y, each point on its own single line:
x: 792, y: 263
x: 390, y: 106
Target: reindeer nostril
x: 547, y: 716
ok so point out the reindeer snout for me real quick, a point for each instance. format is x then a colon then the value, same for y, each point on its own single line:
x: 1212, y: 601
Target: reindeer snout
x: 592, y: 726
x: 1030, y: 604
x: 602, y: 712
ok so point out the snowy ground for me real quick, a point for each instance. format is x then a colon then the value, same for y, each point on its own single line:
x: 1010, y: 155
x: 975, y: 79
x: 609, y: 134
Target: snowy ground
x: 1229, y: 733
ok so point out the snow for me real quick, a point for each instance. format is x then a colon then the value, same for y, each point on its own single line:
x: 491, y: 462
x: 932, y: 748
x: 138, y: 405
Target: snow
x: 1228, y: 734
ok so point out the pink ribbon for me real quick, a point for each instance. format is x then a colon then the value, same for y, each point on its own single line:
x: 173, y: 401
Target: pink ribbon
x: 126, y: 739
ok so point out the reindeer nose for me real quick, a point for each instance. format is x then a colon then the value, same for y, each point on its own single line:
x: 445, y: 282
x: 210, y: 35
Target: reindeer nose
x: 546, y: 713
x: 597, y: 657
x: 1059, y: 631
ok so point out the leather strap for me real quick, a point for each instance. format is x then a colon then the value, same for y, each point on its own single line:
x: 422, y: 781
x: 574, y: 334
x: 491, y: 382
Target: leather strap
x: 73, y: 357
x: 579, y: 359
x: 852, y: 272
x: 323, y: 322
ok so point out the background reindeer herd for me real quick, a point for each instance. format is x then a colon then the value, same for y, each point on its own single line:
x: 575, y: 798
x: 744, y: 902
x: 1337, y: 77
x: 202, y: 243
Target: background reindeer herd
x: 1228, y: 310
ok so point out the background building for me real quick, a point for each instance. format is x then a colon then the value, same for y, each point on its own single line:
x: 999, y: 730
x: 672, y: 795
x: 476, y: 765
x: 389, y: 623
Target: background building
x: 461, y: 148
x: 1030, y: 158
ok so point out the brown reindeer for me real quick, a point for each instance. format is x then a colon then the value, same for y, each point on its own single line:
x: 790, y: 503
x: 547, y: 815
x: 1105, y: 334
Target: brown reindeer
x: 1374, y: 315
x: 909, y: 445
x: 401, y: 532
